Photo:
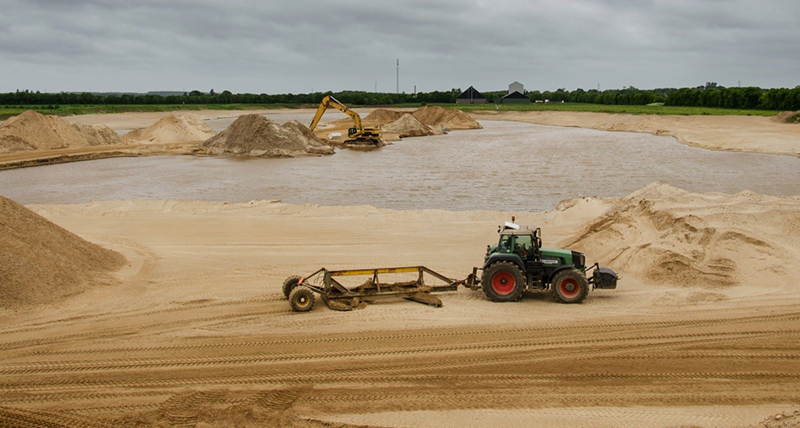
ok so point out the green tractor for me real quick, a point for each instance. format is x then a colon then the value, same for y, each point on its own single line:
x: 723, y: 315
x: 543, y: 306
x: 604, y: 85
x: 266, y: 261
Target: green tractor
x: 518, y: 263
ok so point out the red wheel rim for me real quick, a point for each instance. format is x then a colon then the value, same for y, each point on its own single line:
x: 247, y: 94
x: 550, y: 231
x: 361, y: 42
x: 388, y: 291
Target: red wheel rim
x: 569, y: 288
x: 503, y: 283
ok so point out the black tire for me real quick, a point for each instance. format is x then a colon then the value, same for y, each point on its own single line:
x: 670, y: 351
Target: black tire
x: 570, y: 286
x: 301, y: 299
x: 290, y: 283
x: 503, y: 282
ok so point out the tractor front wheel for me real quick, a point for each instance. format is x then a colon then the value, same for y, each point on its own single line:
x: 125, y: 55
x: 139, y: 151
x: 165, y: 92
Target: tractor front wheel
x: 503, y: 282
x: 301, y: 299
x: 570, y: 286
x: 289, y: 284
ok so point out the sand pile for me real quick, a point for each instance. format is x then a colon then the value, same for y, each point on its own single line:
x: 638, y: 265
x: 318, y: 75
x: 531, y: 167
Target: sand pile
x: 33, y: 131
x: 408, y: 126
x: 173, y: 129
x: 667, y: 236
x: 255, y: 135
x: 787, y: 117
x: 42, y: 263
x: 440, y: 117
x: 382, y: 116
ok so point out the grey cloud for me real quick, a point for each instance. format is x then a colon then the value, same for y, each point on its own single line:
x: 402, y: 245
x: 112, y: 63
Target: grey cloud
x: 292, y: 46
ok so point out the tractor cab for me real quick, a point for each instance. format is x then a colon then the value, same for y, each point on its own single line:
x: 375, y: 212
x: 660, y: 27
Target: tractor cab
x: 523, y: 242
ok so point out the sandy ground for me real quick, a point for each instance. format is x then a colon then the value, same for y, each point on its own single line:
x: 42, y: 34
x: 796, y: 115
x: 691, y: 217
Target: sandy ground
x: 735, y: 133
x: 198, y: 334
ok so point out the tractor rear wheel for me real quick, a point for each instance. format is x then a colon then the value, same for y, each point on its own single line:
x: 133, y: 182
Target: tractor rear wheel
x: 301, y: 299
x: 503, y: 282
x: 290, y: 283
x: 570, y: 286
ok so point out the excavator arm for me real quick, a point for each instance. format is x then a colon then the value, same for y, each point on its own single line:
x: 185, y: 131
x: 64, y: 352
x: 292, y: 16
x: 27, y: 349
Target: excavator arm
x: 331, y: 101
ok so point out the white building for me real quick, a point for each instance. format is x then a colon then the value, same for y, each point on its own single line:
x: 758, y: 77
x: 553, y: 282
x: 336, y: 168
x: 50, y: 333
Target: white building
x: 516, y: 87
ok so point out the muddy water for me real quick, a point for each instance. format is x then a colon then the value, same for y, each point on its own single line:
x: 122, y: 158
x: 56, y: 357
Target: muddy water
x: 507, y: 165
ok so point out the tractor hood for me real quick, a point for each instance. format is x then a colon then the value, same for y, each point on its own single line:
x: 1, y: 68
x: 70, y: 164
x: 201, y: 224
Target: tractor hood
x: 565, y: 255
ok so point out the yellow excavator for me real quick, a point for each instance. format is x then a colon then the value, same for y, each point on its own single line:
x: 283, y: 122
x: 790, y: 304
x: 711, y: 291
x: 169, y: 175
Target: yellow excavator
x: 357, y: 135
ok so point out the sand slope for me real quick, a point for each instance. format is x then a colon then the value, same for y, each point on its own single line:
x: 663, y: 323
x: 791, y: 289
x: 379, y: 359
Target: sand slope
x: 408, y: 126
x: 42, y: 263
x: 34, y: 131
x: 173, y: 129
x: 381, y: 116
x: 435, y: 116
x: 255, y: 135
x: 666, y: 236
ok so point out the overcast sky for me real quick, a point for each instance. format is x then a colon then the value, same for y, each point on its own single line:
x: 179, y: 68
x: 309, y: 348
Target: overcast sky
x: 279, y: 46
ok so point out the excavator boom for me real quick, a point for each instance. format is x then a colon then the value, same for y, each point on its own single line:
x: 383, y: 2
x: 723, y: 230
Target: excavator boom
x: 358, y: 133
x: 331, y: 101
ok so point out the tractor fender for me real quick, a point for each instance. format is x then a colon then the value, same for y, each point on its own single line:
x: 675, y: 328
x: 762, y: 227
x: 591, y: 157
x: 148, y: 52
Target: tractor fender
x: 511, y: 258
x: 549, y: 279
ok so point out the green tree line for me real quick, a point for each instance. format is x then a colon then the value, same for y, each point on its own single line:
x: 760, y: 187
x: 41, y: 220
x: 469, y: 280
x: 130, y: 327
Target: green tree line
x: 709, y: 95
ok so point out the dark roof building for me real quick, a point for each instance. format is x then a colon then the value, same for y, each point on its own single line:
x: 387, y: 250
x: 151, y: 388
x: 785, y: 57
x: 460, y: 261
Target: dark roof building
x: 515, y: 98
x: 471, y: 96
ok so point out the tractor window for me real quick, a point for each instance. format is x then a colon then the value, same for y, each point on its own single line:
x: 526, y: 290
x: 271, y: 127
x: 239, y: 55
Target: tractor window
x: 505, y: 243
x: 523, y: 244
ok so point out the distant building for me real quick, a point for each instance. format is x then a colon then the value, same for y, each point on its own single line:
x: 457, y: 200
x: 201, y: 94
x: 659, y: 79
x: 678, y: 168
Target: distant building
x: 471, y: 96
x: 516, y: 87
x: 515, y: 97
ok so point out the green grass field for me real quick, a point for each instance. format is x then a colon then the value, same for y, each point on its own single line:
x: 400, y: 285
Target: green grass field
x: 70, y: 110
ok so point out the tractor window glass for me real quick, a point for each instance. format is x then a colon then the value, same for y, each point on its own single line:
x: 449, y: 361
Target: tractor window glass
x: 523, y: 243
x: 505, y: 243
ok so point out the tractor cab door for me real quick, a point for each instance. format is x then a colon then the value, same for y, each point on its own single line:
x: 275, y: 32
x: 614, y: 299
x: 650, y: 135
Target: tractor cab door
x: 527, y: 247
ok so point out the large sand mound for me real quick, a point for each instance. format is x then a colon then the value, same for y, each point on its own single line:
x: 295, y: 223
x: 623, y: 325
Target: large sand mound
x: 34, y: 131
x: 382, y: 116
x: 42, y: 263
x: 435, y: 116
x: 408, y: 126
x: 666, y: 236
x: 173, y: 129
x: 255, y: 135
